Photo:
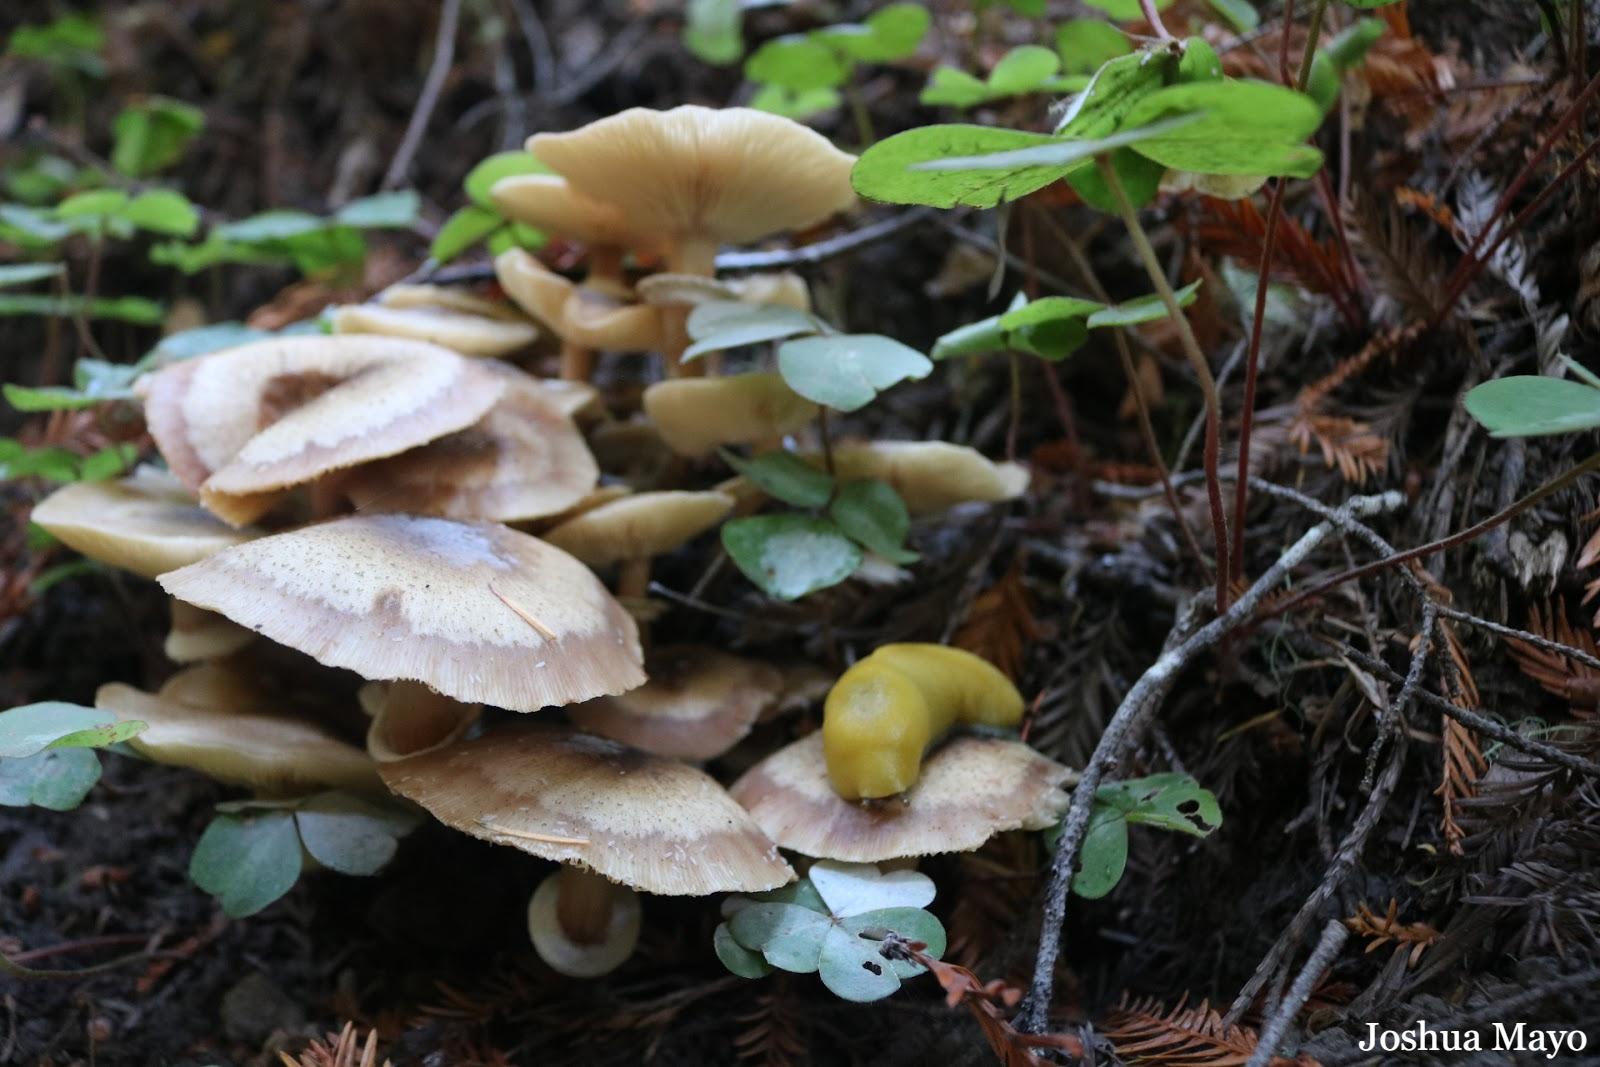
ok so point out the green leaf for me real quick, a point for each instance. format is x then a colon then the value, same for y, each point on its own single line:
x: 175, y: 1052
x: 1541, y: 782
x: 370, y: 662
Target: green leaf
x: 54, y: 464
x: 465, y: 228
x: 778, y: 100
x: 1117, y: 87
x: 515, y: 235
x: 347, y: 834
x: 872, y: 514
x: 845, y: 371
x: 714, y: 31
x: 1104, y: 853
x: 96, y: 203
x: 741, y: 961
x: 1244, y: 127
x: 481, y: 178
x: 1052, y: 328
x: 721, y: 324
x: 23, y: 273
x: 1085, y: 45
x: 973, y: 339
x: 893, y: 32
x: 1200, y: 62
x: 34, y: 224
x: 891, y: 170
x: 71, y: 41
x: 788, y: 935
x: 854, y: 888
x: 152, y: 134
x: 1368, y: 5
x: 1240, y: 14
x: 57, y: 778
x: 275, y: 225
x: 913, y: 924
x: 1173, y: 801
x: 953, y: 87
x: 248, y: 861
x: 1053, y: 158
x: 788, y: 556
x: 1533, y: 406
x: 786, y: 477
x: 1125, y: 10
x: 33, y: 728
x: 101, y: 736
x: 853, y: 967
x: 134, y: 309
x: 381, y: 211
x: 111, y: 462
x: 162, y: 211
x: 186, y: 344
x: 797, y: 63
x: 1351, y: 45
x: 1147, y: 308
x: 1023, y: 68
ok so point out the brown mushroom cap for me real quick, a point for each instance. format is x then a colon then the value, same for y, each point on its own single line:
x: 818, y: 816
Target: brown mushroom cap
x: 695, y: 415
x: 240, y: 424
x: 478, y: 611
x: 211, y: 720
x: 547, y: 202
x: 729, y: 175
x: 469, y: 333
x: 639, y: 525
x: 970, y: 789
x: 408, y: 718
x: 147, y: 523
x: 523, y: 460
x: 698, y: 703
x: 651, y: 823
x: 575, y: 314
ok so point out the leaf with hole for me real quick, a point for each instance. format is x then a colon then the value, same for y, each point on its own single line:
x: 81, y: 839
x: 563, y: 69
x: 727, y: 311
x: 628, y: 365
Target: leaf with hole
x: 1173, y: 801
x: 785, y: 476
x: 248, y: 861
x: 788, y: 556
x: 872, y: 514
x: 845, y: 371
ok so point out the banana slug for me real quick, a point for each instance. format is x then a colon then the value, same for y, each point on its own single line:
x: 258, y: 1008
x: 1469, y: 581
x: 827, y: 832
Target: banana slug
x: 884, y: 712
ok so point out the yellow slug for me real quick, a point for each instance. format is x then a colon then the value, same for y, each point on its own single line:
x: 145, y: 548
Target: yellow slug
x: 883, y: 713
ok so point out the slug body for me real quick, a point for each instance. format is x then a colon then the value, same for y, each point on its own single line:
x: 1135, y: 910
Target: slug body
x: 884, y: 713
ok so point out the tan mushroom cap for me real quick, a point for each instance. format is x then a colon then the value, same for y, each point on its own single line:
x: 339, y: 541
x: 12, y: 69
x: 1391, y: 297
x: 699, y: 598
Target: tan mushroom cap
x: 623, y: 916
x: 523, y: 460
x: 197, y: 634
x: 448, y: 296
x: 239, y: 425
x: 651, y: 823
x: 211, y: 720
x: 970, y: 789
x: 784, y: 289
x: 931, y: 476
x: 408, y: 719
x: 147, y: 523
x: 729, y: 175
x: 548, y: 202
x: 698, y: 703
x: 573, y: 313
x: 478, y: 611
x: 468, y: 333
x: 695, y: 415
x: 640, y: 525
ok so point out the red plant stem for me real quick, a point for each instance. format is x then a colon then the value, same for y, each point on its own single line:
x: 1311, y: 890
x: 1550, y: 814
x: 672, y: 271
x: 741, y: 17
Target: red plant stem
x: 1472, y: 262
x: 1241, y: 489
x: 1197, y: 360
x: 1153, y: 17
x: 1469, y: 534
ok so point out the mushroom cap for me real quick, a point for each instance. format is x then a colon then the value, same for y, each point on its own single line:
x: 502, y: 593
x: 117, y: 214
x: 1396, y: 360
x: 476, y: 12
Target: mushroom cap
x: 409, y: 718
x: 651, y: 823
x: 782, y: 289
x: 478, y: 611
x: 548, y: 202
x: 970, y: 789
x: 931, y: 476
x: 523, y: 460
x: 729, y: 175
x: 239, y: 424
x: 211, y: 720
x: 698, y: 703
x: 639, y: 525
x: 451, y: 297
x: 577, y: 315
x: 147, y: 523
x: 469, y: 333
x: 572, y: 958
x: 695, y: 415
x: 197, y: 634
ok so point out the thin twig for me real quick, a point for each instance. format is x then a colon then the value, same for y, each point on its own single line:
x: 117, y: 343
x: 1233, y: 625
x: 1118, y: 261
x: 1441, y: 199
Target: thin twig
x: 444, y: 51
x: 821, y: 250
x: 1141, y: 702
x: 546, y: 75
x: 1334, y: 936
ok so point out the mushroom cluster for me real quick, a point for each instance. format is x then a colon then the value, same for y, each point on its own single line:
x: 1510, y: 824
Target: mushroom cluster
x: 390, y: 529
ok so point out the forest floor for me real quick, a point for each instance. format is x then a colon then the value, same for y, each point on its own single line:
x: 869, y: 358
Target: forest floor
x: 1463, y: 857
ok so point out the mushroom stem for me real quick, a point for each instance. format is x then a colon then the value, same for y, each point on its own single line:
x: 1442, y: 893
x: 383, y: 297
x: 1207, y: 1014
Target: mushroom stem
x: 633, y: 578
x: 577, y: 362
x: 605, y: 272
x: 691, y: 256
x: 585, y: 903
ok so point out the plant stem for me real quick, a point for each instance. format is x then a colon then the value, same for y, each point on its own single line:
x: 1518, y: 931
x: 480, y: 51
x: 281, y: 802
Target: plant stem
x: 1471, y: 533
x: 1202, y: 370
x: 1313, y: 31
x: 1153, y: 17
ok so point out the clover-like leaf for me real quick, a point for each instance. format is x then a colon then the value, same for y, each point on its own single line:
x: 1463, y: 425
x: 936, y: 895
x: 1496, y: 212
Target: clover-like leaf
x: 871, y: 513
x: 481, y: 178
x: 33, y: 728
x: 853, y: 968
x: 714, y: 30
x: 889, y: 170
x: 1147, y: 308
x: 912, y: 924
x: 742, y: 961
x: 1116, y: 88
x: 891, y: 33
x: 55, y: 778
x: 1103, y: 856
x: 788, y: 556
x: 797, y: 62
x: 856, y: 888
x: 785, y: 476
x: 1084, y: 45
x: 1526, y: 405
x: 162, y: 211
x: 1244, y: 127
x: 787, y: 935
x: 349, y: 834
x: 247, y: 860
x: 845, y: 371
x: 716, y: 325
x: 1172, y: 801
